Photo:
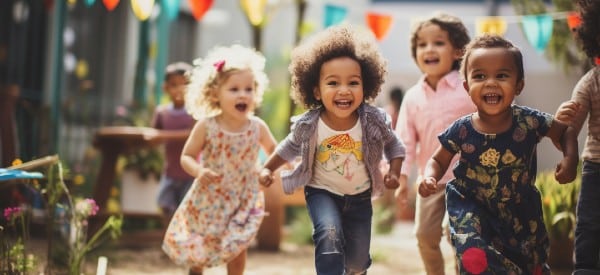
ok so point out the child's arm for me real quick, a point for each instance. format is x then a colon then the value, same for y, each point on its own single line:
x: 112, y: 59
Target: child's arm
x: 434, y: 170
x: 567, y: 111
x: 267, y: 140
x: 192, y: 148
x: 566, y: 170
x: 266, y: 174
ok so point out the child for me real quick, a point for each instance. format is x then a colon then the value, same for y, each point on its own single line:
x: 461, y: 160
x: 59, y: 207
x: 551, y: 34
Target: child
x: 431, y: 105
x: 174, y: 124
x: 222, y: 212
x: 494, y: 208
x: 340, y: 140
x: 586, y: 100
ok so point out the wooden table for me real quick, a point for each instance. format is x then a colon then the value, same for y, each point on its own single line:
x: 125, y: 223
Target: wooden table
x: 111, y: 142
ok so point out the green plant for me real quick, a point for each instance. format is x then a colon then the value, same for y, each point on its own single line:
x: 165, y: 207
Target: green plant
x: 147, y: 161
x: 559, y: 202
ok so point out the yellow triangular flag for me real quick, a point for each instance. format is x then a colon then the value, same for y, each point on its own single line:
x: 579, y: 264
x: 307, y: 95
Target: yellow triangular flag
x: 491, y: 25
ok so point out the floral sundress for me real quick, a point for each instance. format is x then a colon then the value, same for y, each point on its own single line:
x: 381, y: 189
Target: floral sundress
x: 215, y: 222
x: 495, y: 210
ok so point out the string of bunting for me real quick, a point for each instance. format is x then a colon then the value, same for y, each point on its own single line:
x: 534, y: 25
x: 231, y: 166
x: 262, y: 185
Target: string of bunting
x: 537, y: 28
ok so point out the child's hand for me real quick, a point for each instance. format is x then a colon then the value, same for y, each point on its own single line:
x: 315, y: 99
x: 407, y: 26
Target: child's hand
x: 428, y: 186
x: 207, y: 176
x: 401, y: 194
x: 391, y: 181
x: 265, y: 177
x: 567, y: 111
x: 566, y: 170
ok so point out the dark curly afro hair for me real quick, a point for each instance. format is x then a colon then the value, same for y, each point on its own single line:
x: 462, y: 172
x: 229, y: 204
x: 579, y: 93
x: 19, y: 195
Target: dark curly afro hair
x: 334, y: 42
x: 589, y: 31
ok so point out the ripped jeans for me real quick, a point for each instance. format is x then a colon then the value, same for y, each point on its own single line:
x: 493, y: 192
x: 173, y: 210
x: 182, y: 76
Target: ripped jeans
x: 341, y: 231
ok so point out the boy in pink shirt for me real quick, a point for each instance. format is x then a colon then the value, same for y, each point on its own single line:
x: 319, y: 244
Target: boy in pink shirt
x: 428, y: 108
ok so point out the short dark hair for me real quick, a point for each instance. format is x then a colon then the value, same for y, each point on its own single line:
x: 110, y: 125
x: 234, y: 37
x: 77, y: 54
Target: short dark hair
x: 457, y: 33
x: 334, y: 42
x: 488, y: 41
x: 177, y: 68
x: 588, y: 32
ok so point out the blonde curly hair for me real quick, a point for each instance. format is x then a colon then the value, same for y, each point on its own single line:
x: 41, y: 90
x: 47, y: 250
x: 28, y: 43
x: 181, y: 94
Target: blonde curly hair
x: 212, y: 71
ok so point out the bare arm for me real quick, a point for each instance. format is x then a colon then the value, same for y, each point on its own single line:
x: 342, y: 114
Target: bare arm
x: 566, y: 137
x: 267, y: 140
x: 191, y: 150
x: 434, y: 170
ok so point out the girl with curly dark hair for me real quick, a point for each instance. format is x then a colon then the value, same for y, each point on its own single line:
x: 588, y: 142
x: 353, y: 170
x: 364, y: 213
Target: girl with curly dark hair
x: 340, y: 141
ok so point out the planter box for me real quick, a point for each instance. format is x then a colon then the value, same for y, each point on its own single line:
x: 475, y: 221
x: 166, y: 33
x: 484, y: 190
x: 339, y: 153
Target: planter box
x: 138, y: 196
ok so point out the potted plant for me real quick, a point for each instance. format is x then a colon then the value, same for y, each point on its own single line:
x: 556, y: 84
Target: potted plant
x: 559, y: 202
x: 140, y: 169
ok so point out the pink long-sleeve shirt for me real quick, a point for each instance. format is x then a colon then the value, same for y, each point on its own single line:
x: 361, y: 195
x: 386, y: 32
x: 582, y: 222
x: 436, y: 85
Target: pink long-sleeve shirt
x: 425, y: 113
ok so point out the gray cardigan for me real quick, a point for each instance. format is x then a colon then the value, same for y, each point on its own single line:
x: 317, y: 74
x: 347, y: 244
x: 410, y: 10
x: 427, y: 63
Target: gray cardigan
x: 378, y: 138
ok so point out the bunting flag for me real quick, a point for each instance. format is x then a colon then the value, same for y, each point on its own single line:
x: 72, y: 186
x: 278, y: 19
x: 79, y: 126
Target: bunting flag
x: 110, y: 5
x: 597, y: 60
x: 538, y: 30
x: 89, y: 3
x: 142, y: 8
x: 573, y: 20
x: 254, y: 10
x: 492, y: 25
x: 199, y: 8
x: 379, y: 24
x: 171, y: 8
x: 334, y: 15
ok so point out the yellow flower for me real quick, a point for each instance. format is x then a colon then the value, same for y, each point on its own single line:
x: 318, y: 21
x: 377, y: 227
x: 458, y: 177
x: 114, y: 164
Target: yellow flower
x: 490, y: 158
x: 508, y: 157
x: 78, y: 179
x: 16, y: 162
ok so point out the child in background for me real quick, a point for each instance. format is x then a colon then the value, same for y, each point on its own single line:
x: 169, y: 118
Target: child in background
x: 340, y: 140
x: 221, y: 214
x: 494, y: 208
x: 174, y: 124
x: 393, y: 107
x: 429, y: 107
x: 586, y: 101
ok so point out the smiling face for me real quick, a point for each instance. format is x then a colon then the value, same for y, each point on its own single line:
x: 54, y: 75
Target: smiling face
x: 434, y: 53
x: 340, y: 89
x: 236, y: 95
x: 492, y: 80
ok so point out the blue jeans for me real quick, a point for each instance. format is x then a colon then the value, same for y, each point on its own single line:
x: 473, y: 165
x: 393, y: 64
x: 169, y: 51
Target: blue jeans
x: 587, y: 231
x: 341, y: 231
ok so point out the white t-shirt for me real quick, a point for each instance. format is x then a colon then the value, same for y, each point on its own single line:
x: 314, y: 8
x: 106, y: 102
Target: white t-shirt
x: 339, y: 164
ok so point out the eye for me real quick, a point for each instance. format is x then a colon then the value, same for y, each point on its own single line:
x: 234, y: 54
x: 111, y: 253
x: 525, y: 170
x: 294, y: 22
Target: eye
x: 331, y: 83
x: 421, y: 45
x: 354, y: 82
x: 478, y: 76
x: 502, y: 76
x: 440, y: 43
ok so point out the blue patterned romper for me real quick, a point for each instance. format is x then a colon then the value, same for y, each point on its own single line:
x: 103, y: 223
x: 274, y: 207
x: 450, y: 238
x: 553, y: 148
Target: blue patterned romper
x: 495, y: 210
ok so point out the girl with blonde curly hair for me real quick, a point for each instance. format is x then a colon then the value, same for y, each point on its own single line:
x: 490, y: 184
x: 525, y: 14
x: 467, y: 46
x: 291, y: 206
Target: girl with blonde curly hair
x: 341, y: 140
x: 224, y: 208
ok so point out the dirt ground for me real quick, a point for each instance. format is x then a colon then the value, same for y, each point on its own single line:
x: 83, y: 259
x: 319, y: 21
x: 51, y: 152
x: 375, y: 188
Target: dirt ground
x: 395, y: 253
